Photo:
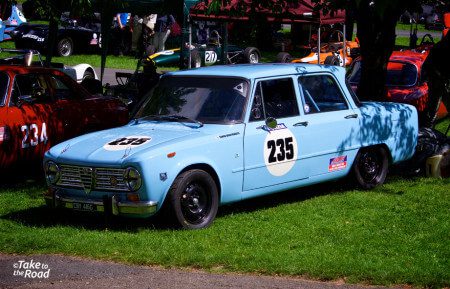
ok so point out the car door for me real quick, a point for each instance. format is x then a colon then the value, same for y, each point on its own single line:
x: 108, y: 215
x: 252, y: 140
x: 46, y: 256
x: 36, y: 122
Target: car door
x: 331, y: 127
x: 31, y: 117
x: 68, y: 105
x: 272, y: 154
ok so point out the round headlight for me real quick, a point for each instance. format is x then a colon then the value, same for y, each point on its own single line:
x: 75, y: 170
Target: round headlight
x: 133, y: 179
x: 52, y: 172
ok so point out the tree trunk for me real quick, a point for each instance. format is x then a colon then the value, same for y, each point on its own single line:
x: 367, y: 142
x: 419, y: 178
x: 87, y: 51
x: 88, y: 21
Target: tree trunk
x: 376, y: 34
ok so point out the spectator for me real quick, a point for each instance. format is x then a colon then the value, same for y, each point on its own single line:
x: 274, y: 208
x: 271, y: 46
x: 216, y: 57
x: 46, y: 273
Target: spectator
x: 162, y: 31
x: 123, y: 32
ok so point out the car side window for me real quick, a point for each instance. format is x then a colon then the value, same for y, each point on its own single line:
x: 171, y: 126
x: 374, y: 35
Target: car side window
x: 4, y: 80
x: 60, y: 89
x: 274, y: 98
x: 30, y: 88
x: 320, y: 93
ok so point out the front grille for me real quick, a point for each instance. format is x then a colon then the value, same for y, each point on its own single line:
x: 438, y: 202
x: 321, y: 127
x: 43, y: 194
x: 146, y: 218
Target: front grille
x: 88, y: 178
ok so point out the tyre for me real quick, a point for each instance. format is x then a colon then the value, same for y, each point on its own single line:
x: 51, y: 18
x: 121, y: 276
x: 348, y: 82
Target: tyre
x: 88, y: 75
x: 252, y: 55
x: 283, y: 57
x: 370, y: 167
x: 332, y: 60
x: 64, y: 47
x: 195, y: 60
x: 193, y: 199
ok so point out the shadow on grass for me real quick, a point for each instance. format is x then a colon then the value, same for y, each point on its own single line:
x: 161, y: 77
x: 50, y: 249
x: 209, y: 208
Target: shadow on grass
x: 43, y: 216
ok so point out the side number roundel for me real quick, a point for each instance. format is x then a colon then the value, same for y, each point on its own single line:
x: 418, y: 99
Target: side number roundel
x: 280, y: 151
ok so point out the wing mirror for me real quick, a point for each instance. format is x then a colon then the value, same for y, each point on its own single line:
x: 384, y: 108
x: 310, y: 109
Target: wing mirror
x: 271, y: 122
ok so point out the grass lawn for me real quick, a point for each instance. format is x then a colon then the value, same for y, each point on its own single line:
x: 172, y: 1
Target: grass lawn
x: 395, y: 234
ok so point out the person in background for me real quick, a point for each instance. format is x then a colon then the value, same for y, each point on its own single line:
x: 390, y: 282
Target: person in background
x: 123, y: 31
x: 162, y: 31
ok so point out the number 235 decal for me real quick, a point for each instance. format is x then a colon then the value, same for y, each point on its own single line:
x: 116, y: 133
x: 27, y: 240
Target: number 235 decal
x: 126, y: 142
x: 31, y: 136
x: 280, y: 151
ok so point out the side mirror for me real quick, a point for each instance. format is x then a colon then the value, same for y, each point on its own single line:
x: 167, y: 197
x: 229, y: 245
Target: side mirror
x: 271, y: 122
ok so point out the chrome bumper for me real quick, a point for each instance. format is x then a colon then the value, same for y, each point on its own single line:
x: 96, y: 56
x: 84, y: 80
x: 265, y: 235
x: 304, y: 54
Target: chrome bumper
x: 108, y: 205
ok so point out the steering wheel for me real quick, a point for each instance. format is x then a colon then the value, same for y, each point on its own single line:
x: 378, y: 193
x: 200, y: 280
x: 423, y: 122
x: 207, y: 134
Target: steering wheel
x: 427, y: 39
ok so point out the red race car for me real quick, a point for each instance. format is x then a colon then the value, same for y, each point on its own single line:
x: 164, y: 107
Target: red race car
x: 40, y: 107
x: 403, y: 79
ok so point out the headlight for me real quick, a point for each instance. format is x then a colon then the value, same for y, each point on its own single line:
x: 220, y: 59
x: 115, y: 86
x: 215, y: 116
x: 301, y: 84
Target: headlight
x: 133, y: 179
x: 52, y: 172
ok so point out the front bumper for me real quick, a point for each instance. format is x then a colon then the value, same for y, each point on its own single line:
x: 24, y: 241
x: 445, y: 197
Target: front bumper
x: 109, y: 205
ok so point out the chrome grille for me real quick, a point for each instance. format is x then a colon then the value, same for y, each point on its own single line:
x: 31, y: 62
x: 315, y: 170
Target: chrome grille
x: 89, y: 178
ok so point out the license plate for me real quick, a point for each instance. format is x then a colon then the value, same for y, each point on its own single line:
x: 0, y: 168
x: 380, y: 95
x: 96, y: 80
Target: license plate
x: 84, y: 207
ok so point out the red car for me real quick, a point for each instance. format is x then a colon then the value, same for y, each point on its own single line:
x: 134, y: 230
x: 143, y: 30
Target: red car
x: 40, y: 107
x: 403, y: 79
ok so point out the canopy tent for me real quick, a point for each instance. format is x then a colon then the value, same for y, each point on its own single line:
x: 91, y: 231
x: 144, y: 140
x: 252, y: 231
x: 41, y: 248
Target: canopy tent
x: 301, y: 12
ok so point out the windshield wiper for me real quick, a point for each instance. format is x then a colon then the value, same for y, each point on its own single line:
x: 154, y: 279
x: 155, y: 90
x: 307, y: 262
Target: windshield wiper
x: 173, y: 117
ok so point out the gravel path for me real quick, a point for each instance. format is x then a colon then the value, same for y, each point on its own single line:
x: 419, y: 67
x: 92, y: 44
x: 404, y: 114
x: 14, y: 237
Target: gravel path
x: 72, y: 272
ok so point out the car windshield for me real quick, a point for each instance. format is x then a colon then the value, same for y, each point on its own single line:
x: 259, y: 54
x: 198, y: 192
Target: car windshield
x: 198, y: 99
x: 398, y: 74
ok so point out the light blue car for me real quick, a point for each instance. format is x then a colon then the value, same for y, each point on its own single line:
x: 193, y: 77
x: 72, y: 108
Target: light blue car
x: 216, y: 135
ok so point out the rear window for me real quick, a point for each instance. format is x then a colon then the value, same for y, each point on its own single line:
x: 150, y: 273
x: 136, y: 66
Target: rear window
x: 398, y: 74
x: 4, y: 80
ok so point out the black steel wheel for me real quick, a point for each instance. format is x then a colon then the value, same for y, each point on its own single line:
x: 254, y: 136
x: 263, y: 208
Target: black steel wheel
x: 284, y: 57
x: 64, y: 47
x: 370, y: 167
x: 332, y: 60
x: 194, y: 199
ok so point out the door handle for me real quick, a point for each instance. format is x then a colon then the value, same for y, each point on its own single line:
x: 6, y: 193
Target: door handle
x: 302, y: 123
x: 351, y: 116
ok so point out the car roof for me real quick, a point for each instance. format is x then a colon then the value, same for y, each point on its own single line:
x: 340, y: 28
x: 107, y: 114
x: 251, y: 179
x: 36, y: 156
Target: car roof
x: 252, y: 71
x: 20, y: 69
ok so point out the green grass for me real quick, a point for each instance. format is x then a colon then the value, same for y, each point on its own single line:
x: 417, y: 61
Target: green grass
x: 395, y: 234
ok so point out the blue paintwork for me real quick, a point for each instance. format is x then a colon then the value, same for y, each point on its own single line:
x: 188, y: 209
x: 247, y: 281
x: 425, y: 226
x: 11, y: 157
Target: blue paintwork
x: 11, y: 23
x: 235, y: 151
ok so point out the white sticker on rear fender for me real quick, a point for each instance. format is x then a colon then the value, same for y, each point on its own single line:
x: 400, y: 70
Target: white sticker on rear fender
x: 280, y: 151
x: 123, y: 143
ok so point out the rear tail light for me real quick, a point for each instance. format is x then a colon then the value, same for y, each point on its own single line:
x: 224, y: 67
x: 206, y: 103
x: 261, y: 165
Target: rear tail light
x: 4, y: 134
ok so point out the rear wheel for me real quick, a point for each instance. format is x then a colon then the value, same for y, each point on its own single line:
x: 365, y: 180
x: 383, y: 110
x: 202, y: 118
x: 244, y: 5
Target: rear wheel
x: 370, y: 167
x: 194, y: 199
x: 284, y: 57
x: 64, y: 47
x: 332, y: 60
x: 252, y: 55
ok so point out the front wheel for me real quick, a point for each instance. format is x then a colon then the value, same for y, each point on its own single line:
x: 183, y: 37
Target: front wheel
x: 194, y: 199
x: 64, y: 47
x: 370, y: 167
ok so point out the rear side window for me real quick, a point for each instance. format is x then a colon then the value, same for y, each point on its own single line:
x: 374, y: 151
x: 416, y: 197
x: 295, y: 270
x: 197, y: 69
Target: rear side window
x: 320, y: 93
x: 4, y: 80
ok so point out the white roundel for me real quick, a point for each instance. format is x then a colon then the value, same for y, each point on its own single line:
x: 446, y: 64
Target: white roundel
x: 126, y: 142
x: 280, y: 151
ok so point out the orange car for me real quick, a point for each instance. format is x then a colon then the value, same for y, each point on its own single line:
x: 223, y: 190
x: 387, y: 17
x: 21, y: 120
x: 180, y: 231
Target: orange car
x: 331, y: 52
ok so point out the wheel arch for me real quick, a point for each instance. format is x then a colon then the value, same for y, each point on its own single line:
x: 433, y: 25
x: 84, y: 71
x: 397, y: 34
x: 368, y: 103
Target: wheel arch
x: 382, y: 145
x: 207, y: 168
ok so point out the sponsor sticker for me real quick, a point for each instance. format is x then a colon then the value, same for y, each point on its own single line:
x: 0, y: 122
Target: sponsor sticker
x: 337, y: 163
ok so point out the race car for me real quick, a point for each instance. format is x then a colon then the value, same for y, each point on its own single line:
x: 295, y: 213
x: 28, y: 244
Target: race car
x: 331, y: 52
x: 207, y: 54
x: 220, y: 134
x: 28, y: 57
x: 404, y: 81
x: 15, y: 19
x: 80, y: 35
x: 40, y: 107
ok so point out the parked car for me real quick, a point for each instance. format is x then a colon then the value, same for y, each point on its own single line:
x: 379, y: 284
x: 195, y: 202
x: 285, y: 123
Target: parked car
x: 80, y: 35
x: 29, y: 57
x: 15, y: 19
x: 219, y: 134
x: 331, y: 52
x: 404, y: 79
x: 40, y: 107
